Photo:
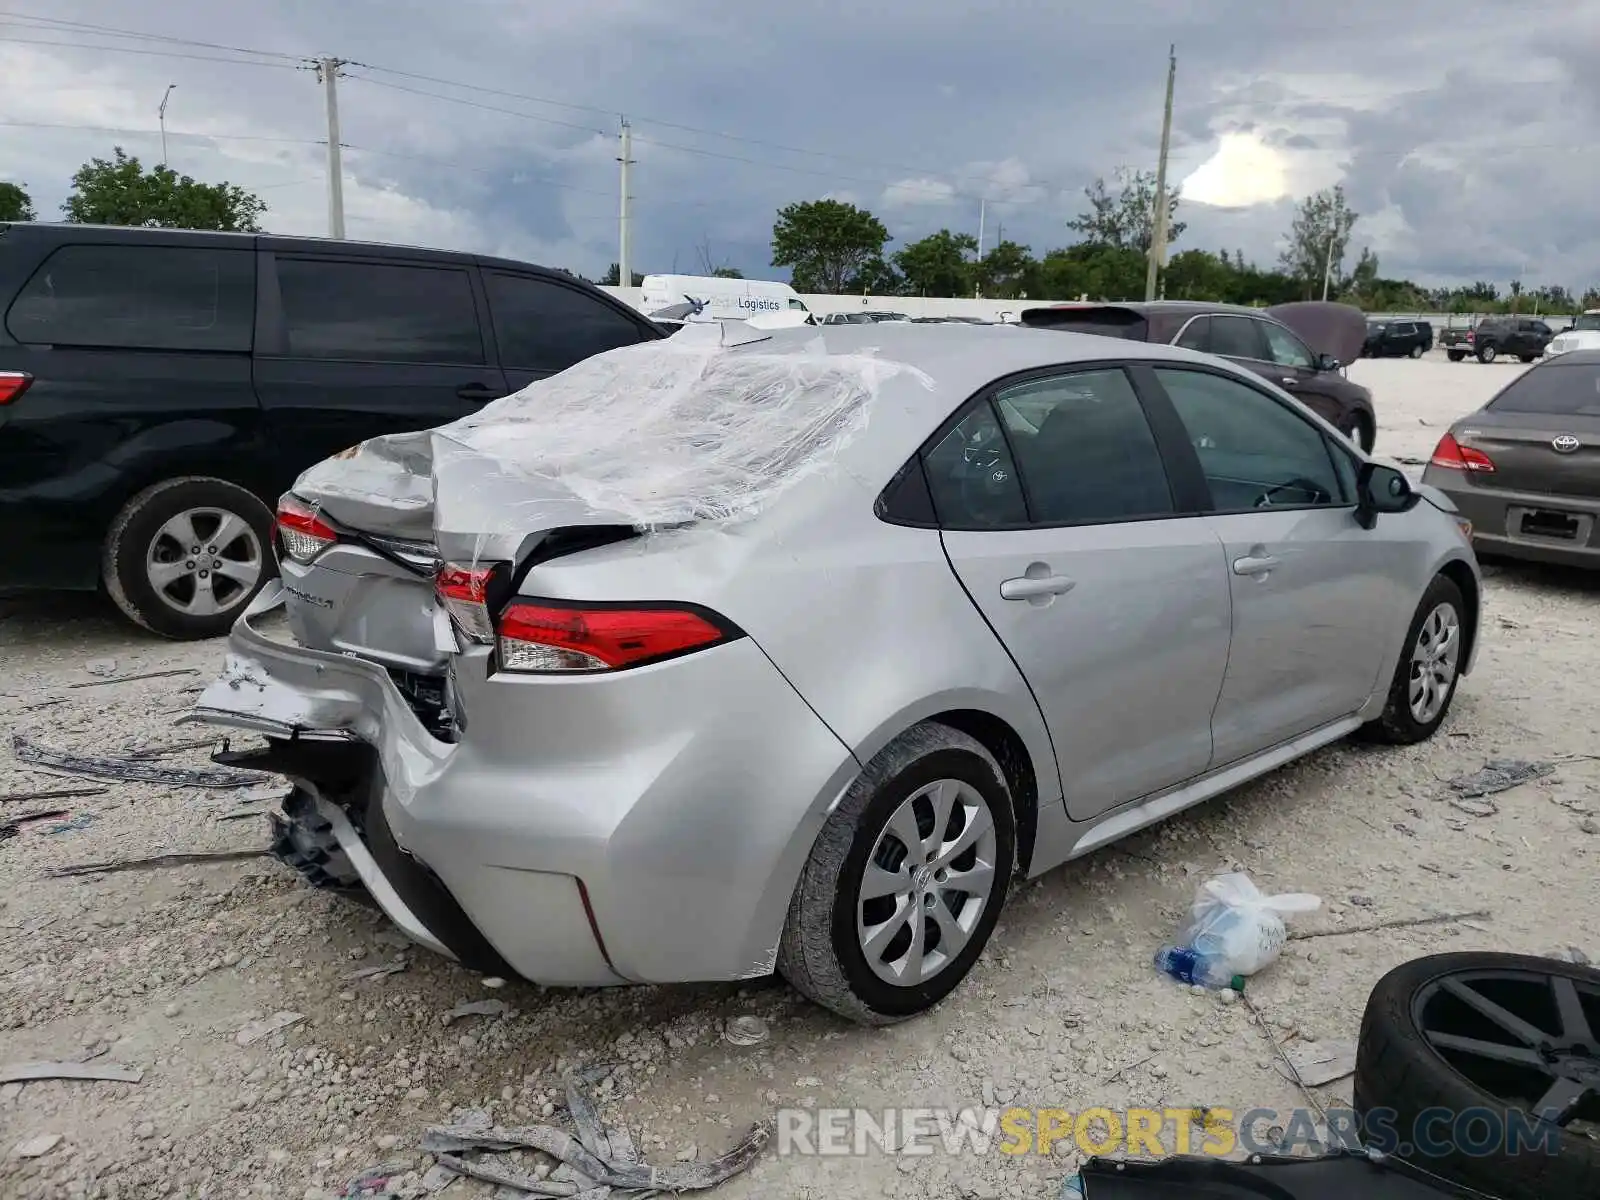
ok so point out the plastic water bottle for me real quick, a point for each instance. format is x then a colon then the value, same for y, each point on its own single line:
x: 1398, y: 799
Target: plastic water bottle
x: 1191, y: 966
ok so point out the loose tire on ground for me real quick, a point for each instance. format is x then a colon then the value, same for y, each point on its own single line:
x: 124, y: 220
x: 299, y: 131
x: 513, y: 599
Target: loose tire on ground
x: 1400, y: 1077
x: 821, y: 953
x: 1398, y: 725
x: 304, y: 841
x: 131, y: 550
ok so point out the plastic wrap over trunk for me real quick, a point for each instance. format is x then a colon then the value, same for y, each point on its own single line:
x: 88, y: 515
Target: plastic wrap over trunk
x: 707, y: 426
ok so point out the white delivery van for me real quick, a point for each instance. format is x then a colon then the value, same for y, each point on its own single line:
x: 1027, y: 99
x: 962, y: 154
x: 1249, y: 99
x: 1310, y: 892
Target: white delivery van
x: 725, y: 298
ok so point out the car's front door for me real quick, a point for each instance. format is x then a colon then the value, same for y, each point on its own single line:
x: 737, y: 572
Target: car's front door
x: 1313, y: 592
x: 1298, y: 374
x: 1109, y: 591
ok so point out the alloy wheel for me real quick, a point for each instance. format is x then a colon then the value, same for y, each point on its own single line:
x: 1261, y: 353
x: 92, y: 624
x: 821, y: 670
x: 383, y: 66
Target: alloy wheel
x: 1434, y: 658
x: 204, y: 561
x: 1530, y: 1039
x: 927, y: 882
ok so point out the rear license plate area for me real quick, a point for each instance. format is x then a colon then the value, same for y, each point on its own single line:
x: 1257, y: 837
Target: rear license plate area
x: 1543, y: 523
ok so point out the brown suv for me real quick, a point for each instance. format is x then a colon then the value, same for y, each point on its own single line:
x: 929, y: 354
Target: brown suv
x: 1300, y: 347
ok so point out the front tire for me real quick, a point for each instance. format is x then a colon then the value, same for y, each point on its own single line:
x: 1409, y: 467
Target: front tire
x: 905, y: 882
x: 185, y: 556
x: 1429, y: 669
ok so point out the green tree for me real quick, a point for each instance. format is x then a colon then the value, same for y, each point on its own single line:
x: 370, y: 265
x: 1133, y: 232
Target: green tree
x: 1318, y: 240
x: 15, y: 203
x: 727, y: 273
x: 1200, y: 275
x: 1002, y: 274
x: 122, y: 192
x: 613, y: 277
x: 875, y: 277
x: 1125, y: 219
x: 826, y: 244
x: 937, y: 265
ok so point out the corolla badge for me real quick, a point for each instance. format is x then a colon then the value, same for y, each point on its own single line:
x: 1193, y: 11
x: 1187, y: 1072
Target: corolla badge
x: 1565, y: 444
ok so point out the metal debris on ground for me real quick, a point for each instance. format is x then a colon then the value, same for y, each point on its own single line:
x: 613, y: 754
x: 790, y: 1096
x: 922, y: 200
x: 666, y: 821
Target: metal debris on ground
x: 104, y: 1072
x: 255, y: 1031
x: 1498, y: 775
x: 476, y: 1008
x: 1318, y: 1063
x: 105, y: 679
x: 159, y: 860
x: 240, y: 814
x: 451, y: 1144
x: 378, y: 972
x: 145, y: 752
x: 13, y: 825
x: 746, y: 1031
x: 53, y: 794
x: 130, y: 770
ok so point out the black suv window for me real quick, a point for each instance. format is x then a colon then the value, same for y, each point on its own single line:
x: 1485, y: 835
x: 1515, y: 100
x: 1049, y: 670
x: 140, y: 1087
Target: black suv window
x: 1255, y: 452
x: 1084, y: 449
x: 1236, y: 337
x: 139, y: 297
x: 379, y: 312
x: 545, y: 326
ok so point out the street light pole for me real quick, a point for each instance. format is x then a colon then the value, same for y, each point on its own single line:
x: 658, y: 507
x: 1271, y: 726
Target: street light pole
x: 161, y: 115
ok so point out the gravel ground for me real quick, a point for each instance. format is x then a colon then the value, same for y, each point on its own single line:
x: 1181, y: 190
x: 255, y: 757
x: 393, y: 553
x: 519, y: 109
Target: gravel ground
x: 163, y: 968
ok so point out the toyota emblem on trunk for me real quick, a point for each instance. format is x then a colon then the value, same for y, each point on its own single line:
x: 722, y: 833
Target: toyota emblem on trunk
x: 1565, y: 444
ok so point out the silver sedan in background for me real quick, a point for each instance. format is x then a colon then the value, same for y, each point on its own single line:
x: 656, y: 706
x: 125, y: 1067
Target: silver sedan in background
x: 1040, y: 591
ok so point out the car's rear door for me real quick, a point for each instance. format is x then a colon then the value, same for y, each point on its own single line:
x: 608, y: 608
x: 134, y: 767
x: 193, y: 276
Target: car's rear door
x: 1314, y: 594
x: 350, y: 347
x: 1094, y: 570
x: 543, y: 326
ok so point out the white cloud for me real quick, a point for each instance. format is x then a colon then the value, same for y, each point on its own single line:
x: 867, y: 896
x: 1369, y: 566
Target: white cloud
x: 918, y: 193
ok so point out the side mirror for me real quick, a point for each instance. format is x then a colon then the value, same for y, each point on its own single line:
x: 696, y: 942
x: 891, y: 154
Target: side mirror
x: 1327, y: 362
x: 1381, y: 489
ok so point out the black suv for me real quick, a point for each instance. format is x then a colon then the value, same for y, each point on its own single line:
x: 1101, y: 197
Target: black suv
x: 1525, y: 337
x: 1386, y: 339
x: 159, y: 389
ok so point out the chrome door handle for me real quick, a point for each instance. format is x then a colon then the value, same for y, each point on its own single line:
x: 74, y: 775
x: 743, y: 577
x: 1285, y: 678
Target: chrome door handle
x: 1027, y: 588
x: 1254, y: 566
x: 1289, y: 381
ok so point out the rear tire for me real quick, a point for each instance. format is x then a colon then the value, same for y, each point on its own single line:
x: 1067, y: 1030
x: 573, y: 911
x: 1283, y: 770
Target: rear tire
x: 1456, y: 355
x: 1405, y: 720
x: 829, y: 951
x: 1487, y: 354
x: 1526, y: 358
x: 1358, y: 431
x: 194, y: 591
x: 1416, y: 352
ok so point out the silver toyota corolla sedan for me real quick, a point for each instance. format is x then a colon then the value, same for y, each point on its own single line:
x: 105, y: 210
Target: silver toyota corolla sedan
x: 792, y: 650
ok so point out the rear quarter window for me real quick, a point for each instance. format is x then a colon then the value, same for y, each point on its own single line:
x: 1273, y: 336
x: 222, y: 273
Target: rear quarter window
x: 139, y: 298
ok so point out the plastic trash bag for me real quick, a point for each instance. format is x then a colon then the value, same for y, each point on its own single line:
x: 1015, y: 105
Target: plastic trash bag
x: 1239, y: 927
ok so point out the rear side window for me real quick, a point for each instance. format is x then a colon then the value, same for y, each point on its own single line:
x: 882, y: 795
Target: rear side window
x: 972, y: 478
x: 1560, y: 389
x: 1197, y: 335
x: 1085, y: 450
x: 139, y: 298
x: 545, y: 326
x: 378, y: 312
x: 1236, y: 337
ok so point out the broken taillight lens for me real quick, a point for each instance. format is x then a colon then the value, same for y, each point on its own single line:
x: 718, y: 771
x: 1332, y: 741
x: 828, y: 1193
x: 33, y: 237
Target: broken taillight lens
x: 1453, y: 456
x: 302, y: 534
x: 13, y: 384
x: 464, y: 592
x: 540, y: 636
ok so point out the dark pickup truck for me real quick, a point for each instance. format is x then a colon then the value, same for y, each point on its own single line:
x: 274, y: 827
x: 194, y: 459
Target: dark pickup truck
x: 1523, y: 337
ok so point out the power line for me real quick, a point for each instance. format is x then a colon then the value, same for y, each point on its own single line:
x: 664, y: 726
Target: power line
x: 171, y: 133
x: 113, y: 31
x: 238, y: 62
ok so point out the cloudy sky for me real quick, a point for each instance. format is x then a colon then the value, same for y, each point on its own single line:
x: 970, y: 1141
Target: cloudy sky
x: 1464, y: 132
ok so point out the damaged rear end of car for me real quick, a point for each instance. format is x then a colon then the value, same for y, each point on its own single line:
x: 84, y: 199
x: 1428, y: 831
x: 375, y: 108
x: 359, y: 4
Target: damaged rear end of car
x: 522, y: 754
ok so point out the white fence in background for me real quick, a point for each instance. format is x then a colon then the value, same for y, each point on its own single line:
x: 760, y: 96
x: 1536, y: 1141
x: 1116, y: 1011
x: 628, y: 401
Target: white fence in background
x: 1001, y: 310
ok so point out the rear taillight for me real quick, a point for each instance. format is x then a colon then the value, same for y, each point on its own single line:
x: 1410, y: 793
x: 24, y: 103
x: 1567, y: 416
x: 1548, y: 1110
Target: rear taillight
x: 1453, y: 456
x: 465, y: 593
x: 13, y: 384
x: 540, y: 636
x: 302, y: 534
x: 1471, y: 336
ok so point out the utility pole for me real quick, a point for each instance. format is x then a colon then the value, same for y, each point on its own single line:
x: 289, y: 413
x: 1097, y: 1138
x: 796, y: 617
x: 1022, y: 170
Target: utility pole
x: 1158, y: 242
x: 1327, y: 265
x: 625, y: 219
x: 161, y: 115
x: 328, y: 73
